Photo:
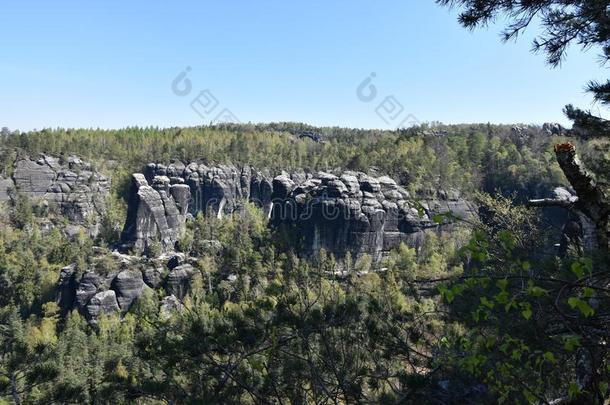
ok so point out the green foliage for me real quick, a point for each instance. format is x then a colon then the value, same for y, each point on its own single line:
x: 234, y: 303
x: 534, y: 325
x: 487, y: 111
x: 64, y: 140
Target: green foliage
x: 526, y: 314
x: 292, y: 341
x: 469, y: 157
x: 260, y: 324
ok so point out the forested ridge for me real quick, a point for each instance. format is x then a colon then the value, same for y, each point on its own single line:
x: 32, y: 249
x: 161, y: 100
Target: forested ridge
x: 470, y: 157
x: 510, y: 305
x: 490, y: 312
x: 284, y: 263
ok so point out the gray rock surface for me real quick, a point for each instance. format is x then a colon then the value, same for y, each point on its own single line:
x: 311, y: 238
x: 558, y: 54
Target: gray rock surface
x: 553, y: 128
x: 153, y: 276
x: 153, y: 215
x: 178, y: 280
x: 361, y: 214
x: 104, y: 302
x: 339, y: 212
x: 5, y: 186
x: 158, y: 212
x: 71, y: 185
x: 66, y: 288
x: 100, y: 291
x: 89, y: 285
x: 128, y: 285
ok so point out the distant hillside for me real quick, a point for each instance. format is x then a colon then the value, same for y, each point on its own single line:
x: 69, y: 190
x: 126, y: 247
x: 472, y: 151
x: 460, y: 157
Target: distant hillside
x: 513, y: 159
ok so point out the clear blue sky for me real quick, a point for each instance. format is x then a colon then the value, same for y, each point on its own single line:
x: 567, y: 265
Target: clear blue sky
x: 111, y: 64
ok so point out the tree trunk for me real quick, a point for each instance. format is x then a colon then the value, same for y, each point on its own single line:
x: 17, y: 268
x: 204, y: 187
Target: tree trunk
x: 592, y: 207
x: 14, y: 391
x: 592, y: 202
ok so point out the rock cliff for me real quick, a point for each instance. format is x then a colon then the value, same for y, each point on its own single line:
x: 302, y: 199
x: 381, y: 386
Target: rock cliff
x: 343, y: 212
x: 356, y: 213
x: 339, y: 212
x: 156, y: 213
x: 69, y: 185
x: 114, y: 283
x: 6, y: 185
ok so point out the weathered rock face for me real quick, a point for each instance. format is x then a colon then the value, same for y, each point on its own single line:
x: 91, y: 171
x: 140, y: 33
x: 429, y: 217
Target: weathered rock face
x: 553, y: 128
x: 128, y: 285
x: 360, y: 214
x: 178, y: 280
x: 343, y: 212
x: 158, y: 212
x: 71, y: 185
x: 66, y: 288
x: 155, y: 213
x: 104, y: 302
x: 153, y: 276
x: 5, y: 186
x: 89, y: 285
x: 115, y: 286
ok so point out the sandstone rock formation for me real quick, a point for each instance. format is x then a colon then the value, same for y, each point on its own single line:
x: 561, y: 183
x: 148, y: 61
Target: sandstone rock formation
x: 66, y: 288
x: 69, y: 185
x: 339, y: 212
x: 342, y: 212
x: 178, y: 280
x: 553, y: 128
x: 361, y: 214
x: 155, y: 213
x: 128, y: 285
x: 104, y: 302
x: 153, y: 276
x: 115, y: 282
x: 6, y: 185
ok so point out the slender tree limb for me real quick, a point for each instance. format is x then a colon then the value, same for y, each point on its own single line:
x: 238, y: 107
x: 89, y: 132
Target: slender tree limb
x: 551, y: 202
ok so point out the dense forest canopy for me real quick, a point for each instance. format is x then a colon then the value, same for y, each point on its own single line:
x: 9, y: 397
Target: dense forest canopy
x: 470, y: 157
x: 512, y: 308
x: 261, y: 324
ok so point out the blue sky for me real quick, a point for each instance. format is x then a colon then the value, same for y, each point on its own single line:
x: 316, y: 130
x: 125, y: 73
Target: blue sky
x: 111, y: 64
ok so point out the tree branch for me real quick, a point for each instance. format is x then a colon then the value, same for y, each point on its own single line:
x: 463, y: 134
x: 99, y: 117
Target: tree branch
x: 551, y: 202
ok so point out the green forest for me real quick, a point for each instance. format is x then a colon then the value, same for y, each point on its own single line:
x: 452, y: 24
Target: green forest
x: 511, y: 307
x: 488, y: 313
x: 514, y: 159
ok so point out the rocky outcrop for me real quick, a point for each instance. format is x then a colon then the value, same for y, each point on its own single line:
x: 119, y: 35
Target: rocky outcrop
x: 553, y: 128
x: 360, y: 214
x: 104, y: 302
x: 6, y: 185
x: 155, y: 213
x: 115, y: 282
x: 70, y: 185
x: 178, y: 280
x: 89, y: 285
x: 128, y: 285
x: 339, y: 212
x: 153, y: 276
x: 66, y: 288
x: 163, y: 196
